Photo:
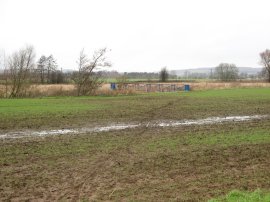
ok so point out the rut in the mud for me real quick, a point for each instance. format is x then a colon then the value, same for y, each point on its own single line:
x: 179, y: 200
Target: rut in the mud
x: 114, y: 127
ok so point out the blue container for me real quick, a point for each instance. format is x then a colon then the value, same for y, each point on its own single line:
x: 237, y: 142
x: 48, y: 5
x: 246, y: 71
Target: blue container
x: 113, y: 86
x: 186, y: 87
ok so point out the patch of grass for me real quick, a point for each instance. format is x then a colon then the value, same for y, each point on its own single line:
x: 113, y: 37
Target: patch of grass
x: 223, y: 138
x: 246, y: 93
x: 230, y: 138
x: 56, y: 112
x: 164, y: 143
x: 239, y: 196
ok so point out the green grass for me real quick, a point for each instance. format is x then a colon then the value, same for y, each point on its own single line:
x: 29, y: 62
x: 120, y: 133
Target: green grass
x: 222, y: 138
x: 246, y: 93
x: 239, y: 196
x: 230, y: 138
x: 14, y: 107
x: 71, y: 111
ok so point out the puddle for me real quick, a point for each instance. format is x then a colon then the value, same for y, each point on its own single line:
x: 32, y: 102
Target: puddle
x: 172, y: 123
x: 54, y: 132
x: 211, y: 120
x: 12, y: 135
x: 110, y: 128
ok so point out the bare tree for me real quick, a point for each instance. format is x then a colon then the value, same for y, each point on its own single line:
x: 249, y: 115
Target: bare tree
x: 87, y: 79
x: 163, y: 75
x: 78, y: 77
x: 19, y: 66
x: 3, y: 76
x: 2, y: 60
x: 51, y: 67
x: 47, y: 69
x: 265, y: 61
x: 42, y: 68
x: 226, y: 72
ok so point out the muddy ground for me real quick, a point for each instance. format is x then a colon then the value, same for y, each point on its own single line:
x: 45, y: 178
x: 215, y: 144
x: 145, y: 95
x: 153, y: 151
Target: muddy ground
x: 186, y: 163
x: 183, y: 163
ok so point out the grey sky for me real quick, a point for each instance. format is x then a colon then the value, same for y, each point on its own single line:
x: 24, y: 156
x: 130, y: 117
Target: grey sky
x: 144, y: 35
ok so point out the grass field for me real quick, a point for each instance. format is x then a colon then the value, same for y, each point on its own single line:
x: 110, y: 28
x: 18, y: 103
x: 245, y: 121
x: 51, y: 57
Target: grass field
x: 77, y: 111
x: 185, y: 163
x: 238, y: 196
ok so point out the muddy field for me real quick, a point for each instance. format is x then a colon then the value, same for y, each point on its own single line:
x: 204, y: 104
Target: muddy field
x: 122, y: 126
x: 183, y: 146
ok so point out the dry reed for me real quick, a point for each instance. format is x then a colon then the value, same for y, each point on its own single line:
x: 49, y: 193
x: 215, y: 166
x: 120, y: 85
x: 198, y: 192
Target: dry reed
x: 227, y: 85
x: 70, y: 89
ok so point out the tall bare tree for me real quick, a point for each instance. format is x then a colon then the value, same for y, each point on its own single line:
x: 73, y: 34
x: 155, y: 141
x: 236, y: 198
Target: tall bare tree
x: 3, y: 74
x: 19, y: 66
x: 2, y: 60
x: 51, y: 67
x: 87, y: 79
x: 42, y: 68
x: 265, y: 61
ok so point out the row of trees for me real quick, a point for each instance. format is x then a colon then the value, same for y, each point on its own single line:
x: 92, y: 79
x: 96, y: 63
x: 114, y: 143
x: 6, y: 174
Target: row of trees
x: 47, y: 70
x: 229, y: 72
x: 21, y: 70
x: 223, y: 72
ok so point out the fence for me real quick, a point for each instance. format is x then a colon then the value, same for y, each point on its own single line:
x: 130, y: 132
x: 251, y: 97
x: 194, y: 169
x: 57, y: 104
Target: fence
x: 149, y: 87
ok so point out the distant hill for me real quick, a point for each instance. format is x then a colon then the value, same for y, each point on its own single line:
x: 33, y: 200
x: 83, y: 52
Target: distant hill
x: 207, y: 70
x: 68, y: 70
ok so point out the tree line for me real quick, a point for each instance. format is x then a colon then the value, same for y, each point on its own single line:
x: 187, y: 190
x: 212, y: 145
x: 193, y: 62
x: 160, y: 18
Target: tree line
x: 227, y: 71
x: 21, y: 70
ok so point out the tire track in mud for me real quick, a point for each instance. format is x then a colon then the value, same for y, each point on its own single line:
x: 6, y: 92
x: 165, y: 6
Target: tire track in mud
x: 151, y: 115
x: 140, y: 131
x: 143, y: 125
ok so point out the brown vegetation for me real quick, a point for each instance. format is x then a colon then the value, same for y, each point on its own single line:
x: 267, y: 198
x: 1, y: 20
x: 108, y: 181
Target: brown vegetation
x: 70, y: 89
x: 45, y: 90
x: 227, y: 85
x: 65, y: 90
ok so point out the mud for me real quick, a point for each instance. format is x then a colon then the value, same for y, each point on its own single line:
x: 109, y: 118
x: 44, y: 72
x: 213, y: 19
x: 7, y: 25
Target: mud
x: 115, y: 127
x: 211, y: 120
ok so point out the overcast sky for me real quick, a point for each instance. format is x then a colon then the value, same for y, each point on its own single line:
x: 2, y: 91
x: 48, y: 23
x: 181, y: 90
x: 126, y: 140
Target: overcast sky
x: 143, y: 35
